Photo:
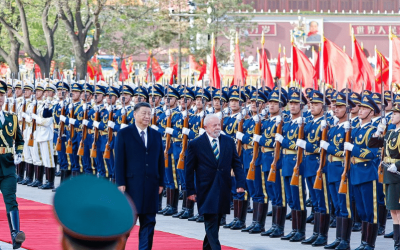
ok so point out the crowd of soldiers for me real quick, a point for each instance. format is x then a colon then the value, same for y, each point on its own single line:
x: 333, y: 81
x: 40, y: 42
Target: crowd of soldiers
x: 326, y: 145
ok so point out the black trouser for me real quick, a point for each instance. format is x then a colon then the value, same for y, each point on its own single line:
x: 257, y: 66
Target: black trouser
x: 211, y: 224
x: 146, y: 232
x: 8, y: 187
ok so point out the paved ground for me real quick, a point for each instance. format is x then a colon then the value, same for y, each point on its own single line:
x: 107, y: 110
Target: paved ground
x: 227, y: 237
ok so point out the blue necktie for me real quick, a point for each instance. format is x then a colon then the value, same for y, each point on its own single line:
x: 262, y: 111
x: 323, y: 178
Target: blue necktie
x: 142, y: 136
x: 215, y: 148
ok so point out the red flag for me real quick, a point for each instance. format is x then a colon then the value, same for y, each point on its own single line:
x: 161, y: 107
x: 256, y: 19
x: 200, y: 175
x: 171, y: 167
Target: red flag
x: 384, y: 72
x: 395, y: 59
x: 278, y: 68
x: 214, y: 72
x: 124, y: 71
x: 90, y: 70
x: 363, y: 71
x: 338, y: 66
x: 316, y: 64
x: 287, y: 71
x: 114, y: 64
x: 174, y: 70
x: 203, y: 70
x: 303, y: 69
x: 265, y: 70
x: 239, y: 74
x: 131, y: 67
x: 94, y: 68
x: 155, y: 67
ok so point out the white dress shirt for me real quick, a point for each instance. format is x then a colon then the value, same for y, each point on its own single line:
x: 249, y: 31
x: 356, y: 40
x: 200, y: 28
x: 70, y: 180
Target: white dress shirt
x: 140, y: 134
x: 211, y: 142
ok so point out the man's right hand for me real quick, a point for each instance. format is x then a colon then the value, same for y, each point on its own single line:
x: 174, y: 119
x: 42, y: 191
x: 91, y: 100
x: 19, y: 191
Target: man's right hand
x: 192, y: 197
x: 122, y: 189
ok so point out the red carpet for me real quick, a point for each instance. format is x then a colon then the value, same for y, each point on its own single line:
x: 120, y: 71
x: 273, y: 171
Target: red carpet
x: 43, y: 232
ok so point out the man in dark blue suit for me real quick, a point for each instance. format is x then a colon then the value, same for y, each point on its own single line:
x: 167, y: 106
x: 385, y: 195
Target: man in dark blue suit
x: 210, y: 159
x: 139, y: 162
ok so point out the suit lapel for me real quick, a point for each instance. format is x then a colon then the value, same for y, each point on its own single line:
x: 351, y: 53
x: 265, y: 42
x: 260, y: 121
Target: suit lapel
x: 207, y: 142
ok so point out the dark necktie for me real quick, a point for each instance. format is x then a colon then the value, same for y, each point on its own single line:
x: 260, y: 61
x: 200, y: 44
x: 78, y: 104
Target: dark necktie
x: 215, y: 148
x: 142, y: 136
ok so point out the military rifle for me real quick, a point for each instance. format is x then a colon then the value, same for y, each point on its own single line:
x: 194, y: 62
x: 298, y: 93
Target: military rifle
x: 383, y: 116
x: 251, y: 175
x: 296, y: 169
x: 93, y: 150
x: 168, y: 136
x: 34, y: 111
x: 61, y: 123
x: 81, y: 148
x: 240, y: 125
x: 343, y: 187
x: 107, y: 150
x: 181, y: 162
x: 71, y: 116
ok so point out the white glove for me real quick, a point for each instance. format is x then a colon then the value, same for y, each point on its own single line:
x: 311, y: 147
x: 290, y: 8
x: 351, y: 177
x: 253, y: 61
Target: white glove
x: 301, y: 143
x: 256, y: 138
x: 219, y: 114
x: 167, y: 112
x: 278, y: 137
x: 201, y: 114
x: 46, y: 105
x: 62, y: 104
x: 346, y: 125
x: 278, y: 120
x: 256, y: 118
x: 123, y: 111
x: 63, y: 118
x: 34, y: 102
x: 185, y: 131
x: 335, y: 120
x: 96, y: 108
x: 384, y: 122
x: 201, y: 131
x: 323, y: 124
x: 244, y: 112
x: 85, y: 122
x: 194, y: 109
x: 70, y: 106
x: 264, y: 112
x: 123, y: 125
x: 381, y: 127
x: 48, y: 101
x: 239, y: 135
x: 300, y: 120
x: 348, y: 146
x: 184, y: 114
x: 35, y: 116
x: 169, y: 130
x: 226, y: 110
x: 72, y: 121
x: 324, y: 144
x: 96, y: 124
x: 24, y: 115
x: 154, y: 127
x: 153, y: 111
x: 111, y: 124
x: 84, y: 107
x: 17, y: 159
x: 392, y: 168
x: 210, y: 110
x: 239, y: 117
x: 164, y: 107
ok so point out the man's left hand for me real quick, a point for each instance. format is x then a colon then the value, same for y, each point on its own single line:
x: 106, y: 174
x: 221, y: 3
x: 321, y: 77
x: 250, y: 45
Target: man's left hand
x: 160, y: 189
x: 240, y: 190
x: 192, y: 197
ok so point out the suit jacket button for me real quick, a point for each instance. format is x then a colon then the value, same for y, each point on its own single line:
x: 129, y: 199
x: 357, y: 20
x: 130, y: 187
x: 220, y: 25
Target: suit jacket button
x: 147, y: 165
x: 147, y: 153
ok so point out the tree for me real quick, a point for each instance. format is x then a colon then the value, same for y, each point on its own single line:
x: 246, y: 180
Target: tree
x: 9, y: 45
x: 83, y: 29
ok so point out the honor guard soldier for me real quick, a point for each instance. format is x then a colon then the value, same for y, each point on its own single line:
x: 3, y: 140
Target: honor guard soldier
x: 156, y: 91
x: 112, y: 224
x: 356, y: 99
x: 126, y: 109
x: 44, y: 134
x: 11, y: 142
x: 311, y: 142
x: 363, y: 172
x: 165, y: 127
x: 390, y: 169
x: 31, y: 154
x: 73, y: 119
x: 220, y: 100
x: 295, y: 195
x: 274, y: 188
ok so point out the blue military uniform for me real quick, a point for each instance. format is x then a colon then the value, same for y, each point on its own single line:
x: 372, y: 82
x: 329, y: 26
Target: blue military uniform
x: 88, y: 167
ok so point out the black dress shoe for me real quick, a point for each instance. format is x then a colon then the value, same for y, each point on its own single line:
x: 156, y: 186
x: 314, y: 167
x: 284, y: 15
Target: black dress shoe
x: 194, y: 218
x: 200, y: 219
x: 389, y: 235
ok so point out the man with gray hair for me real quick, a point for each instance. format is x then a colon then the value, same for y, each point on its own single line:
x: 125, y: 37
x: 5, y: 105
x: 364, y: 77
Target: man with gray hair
x: 209, y: 160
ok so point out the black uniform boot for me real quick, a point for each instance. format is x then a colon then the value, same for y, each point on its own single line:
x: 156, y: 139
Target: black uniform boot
x: 29, y: 174
x: 177, y: 215
x: 311, y: 217
x: 269, y: 231
x: 356, y: 218
x: 242, y: 214
x: 336, y: 242
x: 289, y: 215
x: 194, y: 218
x: 389, y: 235
x: 347, y: 225
x: 280, y: 222
x: 50, y: 176
x: 173, y: 209
x: 261, y: 216
x: 35, y: 169
x: 322, y: 239
x: 301, y: 226
x: 235, y: 214
x: 39, y: 173
x: 168, y: 195
x: 21, y: 173
x: 396, y: 236
x: 314, y: 236
x: 294, y: 226
x: 382, y: 217
x: 200, y: 219
x: 254, y: 222
x: 364, y: 227
x: 17, y: 236
x: 372, y: 233
x: 189, y: 210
